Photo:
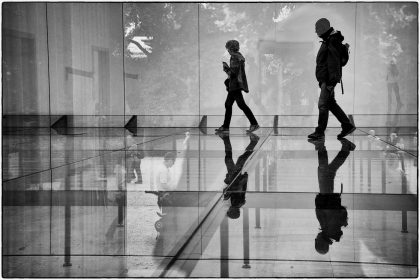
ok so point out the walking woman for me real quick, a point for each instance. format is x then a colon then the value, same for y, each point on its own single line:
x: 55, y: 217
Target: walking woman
x: 235, y: 84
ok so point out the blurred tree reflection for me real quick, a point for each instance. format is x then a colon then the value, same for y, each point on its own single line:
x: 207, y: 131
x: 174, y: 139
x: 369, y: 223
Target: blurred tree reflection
x: 388, y: 32
x: 248, y: 23
x: 163, y: 43
x: 164, y: 39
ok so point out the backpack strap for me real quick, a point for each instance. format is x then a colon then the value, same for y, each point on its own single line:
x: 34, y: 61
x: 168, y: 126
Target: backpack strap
x: 341, y: 81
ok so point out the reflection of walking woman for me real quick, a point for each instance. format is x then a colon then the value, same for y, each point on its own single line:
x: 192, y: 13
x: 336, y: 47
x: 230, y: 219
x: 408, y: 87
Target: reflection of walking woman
x: 392, y: 82
x: 236, y: 181
x: 235, y: 84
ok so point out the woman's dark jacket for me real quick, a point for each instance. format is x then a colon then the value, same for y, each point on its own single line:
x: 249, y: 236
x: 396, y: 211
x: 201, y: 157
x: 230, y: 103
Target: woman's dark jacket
x: 328, y: 68
x: 236, y: 72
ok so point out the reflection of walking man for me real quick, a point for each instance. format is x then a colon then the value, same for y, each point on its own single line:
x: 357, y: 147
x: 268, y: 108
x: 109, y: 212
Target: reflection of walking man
x: 392, y: 83
x: 235, y: 84
x: 329, y: 211
x: 328, y: 74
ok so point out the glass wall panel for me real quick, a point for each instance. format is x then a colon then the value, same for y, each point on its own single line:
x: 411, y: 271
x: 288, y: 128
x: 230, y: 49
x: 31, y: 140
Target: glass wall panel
x: 386, y: 58
x: 161, y: 58
x: 26, y: 210
x: 89, y: 206
x: 86, y: 65
x: 25, y: 151
x: 173, y: 54
x: 279, y: 44
x: 25, y: 59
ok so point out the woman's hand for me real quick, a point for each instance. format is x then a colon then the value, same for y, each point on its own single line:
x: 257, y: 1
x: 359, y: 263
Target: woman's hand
x: 225, y: 67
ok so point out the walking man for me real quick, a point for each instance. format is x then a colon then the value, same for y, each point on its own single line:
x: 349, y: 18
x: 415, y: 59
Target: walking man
x: 235, y: 84
x: 328, y: 74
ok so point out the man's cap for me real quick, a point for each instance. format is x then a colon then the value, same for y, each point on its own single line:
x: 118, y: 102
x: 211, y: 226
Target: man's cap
x: 322, y: 245
x: 322, y: 26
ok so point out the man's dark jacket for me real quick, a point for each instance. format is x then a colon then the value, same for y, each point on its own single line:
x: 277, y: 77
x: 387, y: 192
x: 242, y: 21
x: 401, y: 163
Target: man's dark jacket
x: 331, y: 215
x: 328, y: 68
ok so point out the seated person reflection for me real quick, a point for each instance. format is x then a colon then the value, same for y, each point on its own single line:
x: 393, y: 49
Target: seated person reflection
x: 167, y: 180
x: 329, y: 211
x: 169, y: 173
x: 236, y: 181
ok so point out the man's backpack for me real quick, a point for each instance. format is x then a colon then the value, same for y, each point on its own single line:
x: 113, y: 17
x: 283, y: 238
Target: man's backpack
x: 344, y: 51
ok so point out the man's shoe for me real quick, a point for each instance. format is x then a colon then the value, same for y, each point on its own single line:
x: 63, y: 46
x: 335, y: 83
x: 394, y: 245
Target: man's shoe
x: 222, y: 129
x: 346, y: 131
x: 347, y: 145
x: 319, y: 144
x: 317, y: 135
x: 253, y: 128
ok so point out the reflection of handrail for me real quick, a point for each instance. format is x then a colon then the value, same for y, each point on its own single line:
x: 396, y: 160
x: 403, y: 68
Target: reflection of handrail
x: 73, y: 71
x: 354, y: 201
x: 89, y: 74
x: 97, y: 156
x: 91, y: 197
x: 8, y: 32
x: 389, y: 143
x: 255, y: 199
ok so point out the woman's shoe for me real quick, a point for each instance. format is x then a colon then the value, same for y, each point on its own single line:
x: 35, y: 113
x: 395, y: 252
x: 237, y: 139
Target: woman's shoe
x: 253, y: 128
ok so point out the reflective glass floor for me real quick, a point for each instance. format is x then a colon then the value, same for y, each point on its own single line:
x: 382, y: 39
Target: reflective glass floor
x: 179, y: 202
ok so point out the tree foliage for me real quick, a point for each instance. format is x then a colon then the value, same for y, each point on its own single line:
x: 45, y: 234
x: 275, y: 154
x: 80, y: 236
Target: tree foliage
x: 188, y: 37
